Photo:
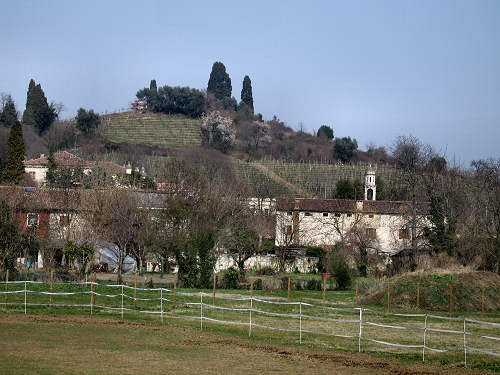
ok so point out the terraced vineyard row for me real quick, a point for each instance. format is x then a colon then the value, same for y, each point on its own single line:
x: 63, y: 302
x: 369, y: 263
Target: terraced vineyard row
x: 258, y: 183
x: 320, y: 179
x: 152, y: 129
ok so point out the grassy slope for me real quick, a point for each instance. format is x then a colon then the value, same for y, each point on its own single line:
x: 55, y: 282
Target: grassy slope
x: 152, y: 129
x: 435, y: 291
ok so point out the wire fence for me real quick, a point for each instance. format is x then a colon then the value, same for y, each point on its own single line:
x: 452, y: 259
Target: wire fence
x: 356, y: 327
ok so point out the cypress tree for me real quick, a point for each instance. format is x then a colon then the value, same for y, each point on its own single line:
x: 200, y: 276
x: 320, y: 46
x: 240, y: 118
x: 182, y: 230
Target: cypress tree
x: 28, y: 116
x: 13, y: 170
x: 52, y: 167
x: 9, y: 113
x: 246, y: 92
x: 219, y: 83
x: 38, y: 112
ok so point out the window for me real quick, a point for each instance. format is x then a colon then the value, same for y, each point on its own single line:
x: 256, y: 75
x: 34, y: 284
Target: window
x: 64, y: 220
x: 371, y: 232
x: 325, y: 214
x: 337, y: 214
x: 308, y: 214
x: 289, y: 213
x: 266, y: 211
x: 404, y: 234
x: 32, y: 220
x: 349, y: 215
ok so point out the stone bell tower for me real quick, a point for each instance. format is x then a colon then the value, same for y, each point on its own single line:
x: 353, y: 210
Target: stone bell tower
x: 370, y: 187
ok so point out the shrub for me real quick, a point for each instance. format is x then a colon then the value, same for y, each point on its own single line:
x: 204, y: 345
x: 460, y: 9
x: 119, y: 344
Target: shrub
x: 314, y: 284
x: 257, y: 284
x: 338, y: 267
x: 231, y: 279
x: 267, y: 271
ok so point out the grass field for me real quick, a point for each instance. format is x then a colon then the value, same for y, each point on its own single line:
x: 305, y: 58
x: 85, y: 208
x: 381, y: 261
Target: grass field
x: 320, y: 329
x: 51, y: 344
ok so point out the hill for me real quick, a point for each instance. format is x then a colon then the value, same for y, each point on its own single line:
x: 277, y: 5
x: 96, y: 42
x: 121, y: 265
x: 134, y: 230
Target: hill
x: 435, y: 291
x: 154, y: 129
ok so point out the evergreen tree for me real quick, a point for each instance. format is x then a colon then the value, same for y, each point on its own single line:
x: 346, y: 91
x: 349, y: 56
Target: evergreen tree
x: 219, y: 83
x: 9, y: 113
x: 325, y: 131
x: 246, y: 92
x: 38, y: 112
x: 87, y: 121
x: 344, y: 148
x: 28, y: 115
x: 51, y: 172
x: 13, y: 170
x: 153, y: 98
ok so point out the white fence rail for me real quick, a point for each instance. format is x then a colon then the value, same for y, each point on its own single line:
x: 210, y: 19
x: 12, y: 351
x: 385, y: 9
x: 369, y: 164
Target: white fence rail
x: 347, y: 323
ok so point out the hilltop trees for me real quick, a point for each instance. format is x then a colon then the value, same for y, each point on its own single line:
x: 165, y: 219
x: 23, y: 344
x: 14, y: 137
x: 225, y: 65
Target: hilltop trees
x: 344, y: 148
x: 13, y: 170
x: 87, y: 121
x: 246, y: 93
x: 38, y: 112
x: 8, y: 115
x: 325, y: 131
x: 219, y: 83
x: 173, y: 100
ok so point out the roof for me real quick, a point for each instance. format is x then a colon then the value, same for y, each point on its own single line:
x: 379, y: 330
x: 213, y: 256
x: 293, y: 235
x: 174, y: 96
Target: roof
x: 67, y: 159
x: 348, y: 205
x: 63, y: 158
x: 42, y: 199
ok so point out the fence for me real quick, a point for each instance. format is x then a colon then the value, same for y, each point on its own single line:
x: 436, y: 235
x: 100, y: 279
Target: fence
x: 355, y: 327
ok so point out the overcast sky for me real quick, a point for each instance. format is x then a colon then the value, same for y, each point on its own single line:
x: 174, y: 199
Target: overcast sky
x: 371, y: 70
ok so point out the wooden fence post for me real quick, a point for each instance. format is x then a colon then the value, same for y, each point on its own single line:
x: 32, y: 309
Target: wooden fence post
x: 418, y: 295
x: 288, y: 299
x: 357, y: 296
x: 51, y: 285
x: 175, y: 290
x: 451, y: 300
x: 135, y: 291
x: 388, y: 296
x: 215, y: 286
x: 324, y: 292
x: 94, y: 286
x: 6, y: 288
x: 482, y: 301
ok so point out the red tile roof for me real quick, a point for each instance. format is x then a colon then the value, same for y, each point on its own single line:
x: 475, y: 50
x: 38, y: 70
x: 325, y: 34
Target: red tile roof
x: 348, y: 205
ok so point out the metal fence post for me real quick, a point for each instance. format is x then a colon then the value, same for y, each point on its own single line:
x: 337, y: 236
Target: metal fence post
x: 250, y: 326
x: 300, y: 322
x: 201, y: 310
x: 425, y: 338
x: 161, y: 304
x: 360, y: 328
x: 122, y: 302
x: 465, y: 346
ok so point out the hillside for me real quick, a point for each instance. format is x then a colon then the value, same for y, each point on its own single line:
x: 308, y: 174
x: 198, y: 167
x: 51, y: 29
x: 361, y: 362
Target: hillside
x: 152, y: 129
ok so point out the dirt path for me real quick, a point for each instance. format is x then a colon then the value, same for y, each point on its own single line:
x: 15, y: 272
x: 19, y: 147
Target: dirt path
x: 43, y: 344
x: 294, y: 188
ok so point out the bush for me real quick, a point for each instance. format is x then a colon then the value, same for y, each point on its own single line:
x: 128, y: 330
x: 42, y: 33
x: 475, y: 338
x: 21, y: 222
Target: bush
x: 338, y: 267
x: 231, y: 279
x: 257, y: 284
x: 266, y: 271
x: 317, y: 252
x: 314, y: 284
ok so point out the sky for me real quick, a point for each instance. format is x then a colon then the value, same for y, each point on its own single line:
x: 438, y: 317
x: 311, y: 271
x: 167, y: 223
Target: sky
x: 372, y: 70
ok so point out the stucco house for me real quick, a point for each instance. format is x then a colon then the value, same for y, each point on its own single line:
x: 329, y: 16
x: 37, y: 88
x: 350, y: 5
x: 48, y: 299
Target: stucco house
x: 384, y: 226
x: 37, y: 168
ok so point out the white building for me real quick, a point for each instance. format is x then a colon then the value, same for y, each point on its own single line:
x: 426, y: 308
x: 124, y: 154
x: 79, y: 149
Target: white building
x: 385, y: 226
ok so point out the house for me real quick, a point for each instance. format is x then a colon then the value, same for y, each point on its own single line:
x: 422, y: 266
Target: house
x: 384, y: 226
x: 37, y: 168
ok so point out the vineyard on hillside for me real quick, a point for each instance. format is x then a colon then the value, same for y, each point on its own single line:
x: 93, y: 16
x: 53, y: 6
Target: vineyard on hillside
x: 152, y: 129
